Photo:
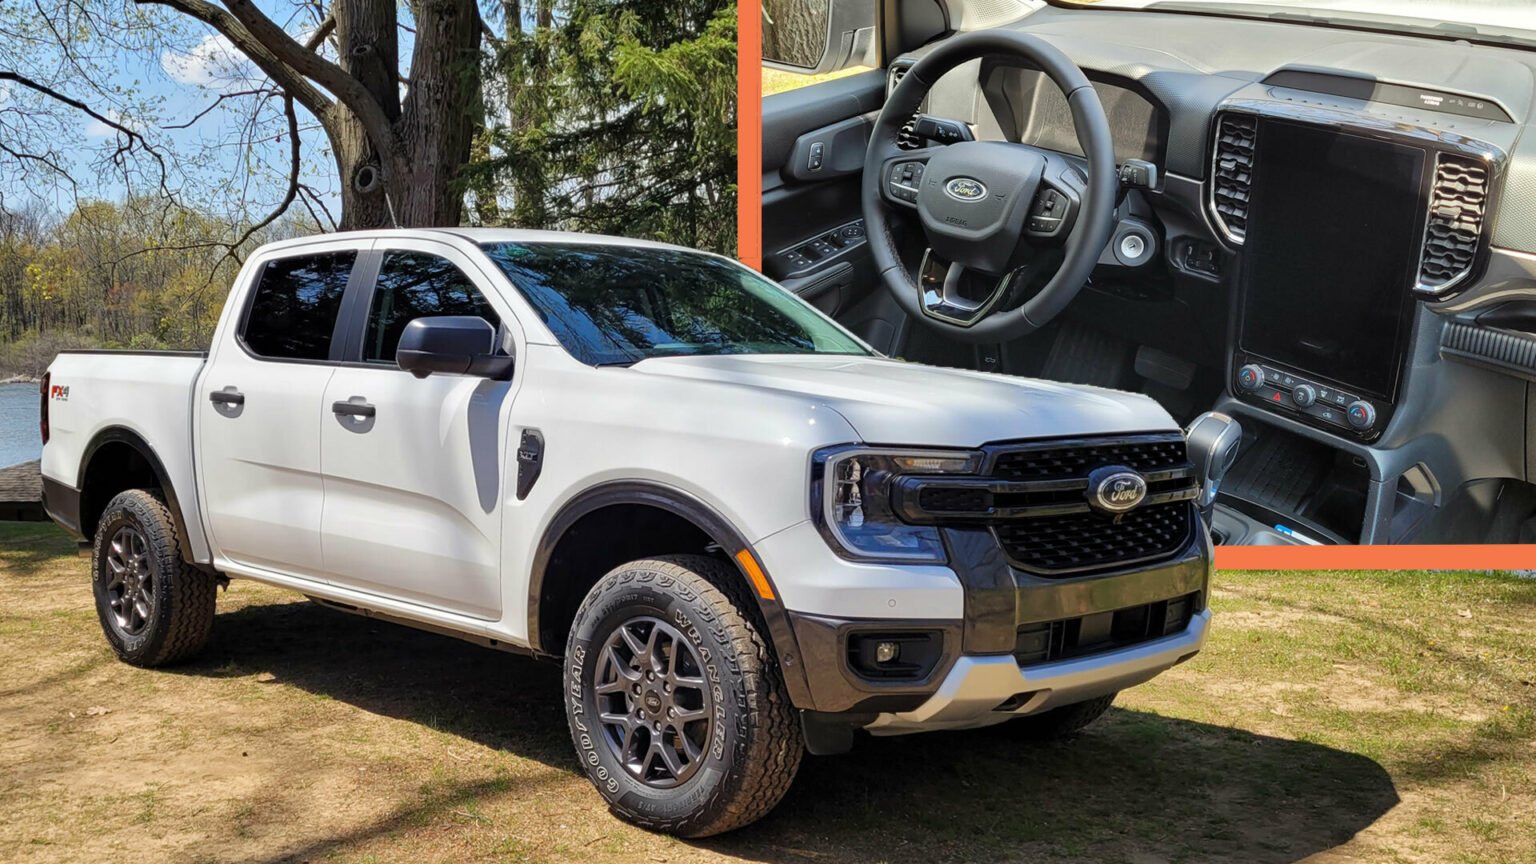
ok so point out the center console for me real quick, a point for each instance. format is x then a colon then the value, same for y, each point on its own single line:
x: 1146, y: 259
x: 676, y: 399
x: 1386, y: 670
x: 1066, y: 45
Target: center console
x: 1343, y: 226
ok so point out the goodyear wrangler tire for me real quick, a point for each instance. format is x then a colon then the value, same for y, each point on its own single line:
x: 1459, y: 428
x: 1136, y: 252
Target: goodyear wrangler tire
x: 154, y: 608
x: 675, y: 701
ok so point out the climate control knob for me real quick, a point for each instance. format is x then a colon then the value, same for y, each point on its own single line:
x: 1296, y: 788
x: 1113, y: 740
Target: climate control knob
x: 1250, y: 377
x: 1361, y: 414
x: 1304, y: 395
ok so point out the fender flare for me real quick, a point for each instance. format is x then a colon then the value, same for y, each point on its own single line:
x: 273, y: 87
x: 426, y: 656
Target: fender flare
x: 687, y: 506
x: 124, y: 435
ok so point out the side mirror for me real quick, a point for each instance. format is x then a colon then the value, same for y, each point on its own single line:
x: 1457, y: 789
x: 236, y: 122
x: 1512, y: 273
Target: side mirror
x: 814, y: 37
x: 451, y: 344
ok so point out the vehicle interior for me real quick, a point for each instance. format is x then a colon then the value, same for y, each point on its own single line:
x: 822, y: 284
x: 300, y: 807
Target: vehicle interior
x: 1322, y: 223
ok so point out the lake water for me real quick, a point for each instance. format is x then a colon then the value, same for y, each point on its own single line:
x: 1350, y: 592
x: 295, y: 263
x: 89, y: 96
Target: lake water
x: 19, y: 441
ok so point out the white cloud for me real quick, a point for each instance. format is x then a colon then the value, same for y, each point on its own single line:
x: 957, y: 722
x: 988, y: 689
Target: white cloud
x: 96, y: 129
x: 212, y: 60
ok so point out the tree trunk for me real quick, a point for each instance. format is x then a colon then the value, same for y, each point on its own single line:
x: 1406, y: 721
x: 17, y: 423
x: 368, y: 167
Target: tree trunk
x: 429, y: 134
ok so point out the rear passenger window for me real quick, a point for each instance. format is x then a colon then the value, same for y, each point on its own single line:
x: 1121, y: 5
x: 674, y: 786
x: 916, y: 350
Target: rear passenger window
x: 415, y: 285
x: 294, y: 311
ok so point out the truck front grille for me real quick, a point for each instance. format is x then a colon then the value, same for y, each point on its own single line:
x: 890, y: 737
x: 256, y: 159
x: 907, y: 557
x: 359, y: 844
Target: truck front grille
x: 1079, y: 542
x: 1076, y: 458
x: 1034, y: 498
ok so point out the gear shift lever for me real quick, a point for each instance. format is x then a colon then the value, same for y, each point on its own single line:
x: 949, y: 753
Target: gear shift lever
x: 1213, y: 442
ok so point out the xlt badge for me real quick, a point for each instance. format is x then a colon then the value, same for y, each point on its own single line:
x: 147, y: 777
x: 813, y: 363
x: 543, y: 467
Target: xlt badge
x: 965, y: 189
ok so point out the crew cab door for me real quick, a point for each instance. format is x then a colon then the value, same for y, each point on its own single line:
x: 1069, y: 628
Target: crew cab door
x: 257, y: 410
x: 414, y: 467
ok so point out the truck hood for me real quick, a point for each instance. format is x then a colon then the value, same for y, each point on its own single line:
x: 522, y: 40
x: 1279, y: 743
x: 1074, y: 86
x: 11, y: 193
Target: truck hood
x: 898, y: 403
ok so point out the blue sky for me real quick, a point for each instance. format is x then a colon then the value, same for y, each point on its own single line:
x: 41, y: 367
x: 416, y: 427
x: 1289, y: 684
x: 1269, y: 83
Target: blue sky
x: 234, y: 158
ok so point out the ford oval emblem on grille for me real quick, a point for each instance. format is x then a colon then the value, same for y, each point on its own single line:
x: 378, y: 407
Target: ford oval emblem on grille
x: 1116, y: 489
x: 965, y: 189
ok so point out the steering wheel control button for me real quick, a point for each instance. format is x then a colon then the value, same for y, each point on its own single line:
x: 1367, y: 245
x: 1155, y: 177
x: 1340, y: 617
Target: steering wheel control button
x: 1362, y: 415
x: 1304, y: 395
x: 906, y: 179
x: 1250, y: 377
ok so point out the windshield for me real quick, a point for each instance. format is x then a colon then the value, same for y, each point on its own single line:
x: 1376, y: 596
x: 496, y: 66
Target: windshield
x: 617, y: 305
x: 1511, y: 22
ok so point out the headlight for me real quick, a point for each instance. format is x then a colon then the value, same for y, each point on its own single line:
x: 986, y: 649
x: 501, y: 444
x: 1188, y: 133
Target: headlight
x: 851, y: 490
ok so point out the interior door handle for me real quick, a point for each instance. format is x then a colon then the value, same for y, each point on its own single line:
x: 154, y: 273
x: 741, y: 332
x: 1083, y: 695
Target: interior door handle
x: 352, y: 409
x: 227, y: 397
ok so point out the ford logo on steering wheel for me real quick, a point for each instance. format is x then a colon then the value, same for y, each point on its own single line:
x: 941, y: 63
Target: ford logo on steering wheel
x: 1116, y: 489
x: 965, y: 189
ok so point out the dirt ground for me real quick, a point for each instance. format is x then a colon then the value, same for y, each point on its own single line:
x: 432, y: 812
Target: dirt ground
x: 1333, y: 718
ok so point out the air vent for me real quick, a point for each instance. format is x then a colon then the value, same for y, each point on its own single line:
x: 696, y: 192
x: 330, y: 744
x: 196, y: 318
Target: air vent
x: 1457, y: 202
x: 907, y: 138
x: 1232, y: 172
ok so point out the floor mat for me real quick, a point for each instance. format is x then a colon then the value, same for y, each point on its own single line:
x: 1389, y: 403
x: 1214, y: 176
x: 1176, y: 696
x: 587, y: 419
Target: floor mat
x: 1278, y: 471
x: 1082, y: 355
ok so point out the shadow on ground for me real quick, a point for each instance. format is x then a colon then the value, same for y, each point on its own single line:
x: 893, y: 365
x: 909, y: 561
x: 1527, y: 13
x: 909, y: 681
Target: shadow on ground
x: 1135, y: 786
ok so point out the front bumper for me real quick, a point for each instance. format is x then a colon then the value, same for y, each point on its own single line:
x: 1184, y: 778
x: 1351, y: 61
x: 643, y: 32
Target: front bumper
x: 994, y: 647
x: 981, y: 691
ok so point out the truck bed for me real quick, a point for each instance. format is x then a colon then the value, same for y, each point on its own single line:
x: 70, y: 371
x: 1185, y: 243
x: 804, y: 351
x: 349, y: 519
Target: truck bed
x: 95, y: 396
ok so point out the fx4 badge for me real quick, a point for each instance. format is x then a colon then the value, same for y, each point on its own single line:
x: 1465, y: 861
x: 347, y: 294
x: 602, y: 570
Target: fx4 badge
x: 1116, y: 489
x: 965, y: 189
x: 59, y: 392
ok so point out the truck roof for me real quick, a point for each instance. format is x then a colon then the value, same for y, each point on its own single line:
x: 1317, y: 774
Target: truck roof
x: 486, y: 235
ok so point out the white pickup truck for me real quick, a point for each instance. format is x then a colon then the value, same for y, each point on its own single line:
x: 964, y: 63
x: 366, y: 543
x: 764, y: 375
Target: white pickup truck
x: 745, y: 533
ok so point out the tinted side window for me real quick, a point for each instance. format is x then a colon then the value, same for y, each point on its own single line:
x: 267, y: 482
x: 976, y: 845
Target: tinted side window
x: 294, y: 311
x: 414, y: 285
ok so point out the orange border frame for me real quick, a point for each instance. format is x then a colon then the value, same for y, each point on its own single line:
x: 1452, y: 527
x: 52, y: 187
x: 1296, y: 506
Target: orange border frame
x: 749, y: 137
x: 749, y: 245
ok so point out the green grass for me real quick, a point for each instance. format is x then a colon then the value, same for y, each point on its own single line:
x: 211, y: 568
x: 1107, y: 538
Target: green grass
x: 1355, y: 716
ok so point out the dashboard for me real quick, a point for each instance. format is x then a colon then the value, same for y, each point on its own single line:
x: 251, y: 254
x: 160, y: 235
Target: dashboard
x: 1353, y: 194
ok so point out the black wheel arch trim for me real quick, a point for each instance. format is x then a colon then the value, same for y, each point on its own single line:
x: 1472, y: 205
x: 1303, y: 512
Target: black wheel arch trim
x: 124, y: 435
x: 706, y: 518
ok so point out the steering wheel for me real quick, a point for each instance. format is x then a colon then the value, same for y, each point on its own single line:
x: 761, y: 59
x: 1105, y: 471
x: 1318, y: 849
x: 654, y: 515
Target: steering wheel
x: 990, y: 210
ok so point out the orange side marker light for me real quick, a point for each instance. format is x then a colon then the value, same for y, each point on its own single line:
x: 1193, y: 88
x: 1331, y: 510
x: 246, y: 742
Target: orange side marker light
x: 755, y: 573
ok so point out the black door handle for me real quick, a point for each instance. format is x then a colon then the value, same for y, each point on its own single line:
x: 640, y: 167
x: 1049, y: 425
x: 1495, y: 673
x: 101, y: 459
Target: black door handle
x: 352, y: 409
x: 227, y: 397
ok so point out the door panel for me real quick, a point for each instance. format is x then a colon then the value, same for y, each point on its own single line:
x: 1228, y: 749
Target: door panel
x: 413, y: 492
x: 414, y: 468
x: 258, y: 417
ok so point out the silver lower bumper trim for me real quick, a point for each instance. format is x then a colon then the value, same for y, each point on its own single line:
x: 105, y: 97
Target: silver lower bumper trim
x: 977, y: 686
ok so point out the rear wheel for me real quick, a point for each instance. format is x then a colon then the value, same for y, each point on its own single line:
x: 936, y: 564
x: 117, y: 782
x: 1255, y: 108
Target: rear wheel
x: 675, y: 700
x: 1058, y: 722
x: 154, y: 608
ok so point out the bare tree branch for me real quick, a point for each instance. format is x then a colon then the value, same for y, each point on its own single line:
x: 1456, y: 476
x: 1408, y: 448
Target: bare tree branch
x: 341, y: 83
x: 285, y: 75
x: 326, y: 28
x: 131, y: 137
x: 262, y: 91
x: 293, y: 181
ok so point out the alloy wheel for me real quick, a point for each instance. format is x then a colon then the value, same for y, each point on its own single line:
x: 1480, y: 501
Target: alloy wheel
x: 132, y: 586
x: 653, y: 701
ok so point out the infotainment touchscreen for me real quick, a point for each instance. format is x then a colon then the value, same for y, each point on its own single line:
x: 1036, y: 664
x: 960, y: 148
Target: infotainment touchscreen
x: 1330, y: 253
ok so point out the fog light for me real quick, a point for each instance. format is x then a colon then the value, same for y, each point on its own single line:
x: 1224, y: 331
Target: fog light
x: 886, y: 652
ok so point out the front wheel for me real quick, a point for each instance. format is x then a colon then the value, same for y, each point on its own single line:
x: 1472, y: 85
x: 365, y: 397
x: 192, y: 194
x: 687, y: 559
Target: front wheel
x: 675, y: 700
